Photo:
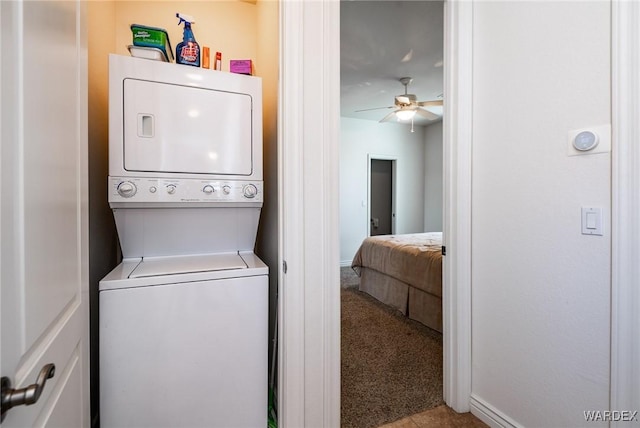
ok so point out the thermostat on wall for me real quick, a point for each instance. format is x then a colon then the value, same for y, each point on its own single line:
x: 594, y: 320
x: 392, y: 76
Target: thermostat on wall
x: 590, y: 140
x: 586, y: 140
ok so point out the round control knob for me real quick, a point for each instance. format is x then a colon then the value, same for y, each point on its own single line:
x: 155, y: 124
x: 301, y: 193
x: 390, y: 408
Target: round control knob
x: 127, y: 189
x: 208, y: 189
x: 171, y: 189
x: 152, y: 189
x: 226, y: 189
x: 250, y: 191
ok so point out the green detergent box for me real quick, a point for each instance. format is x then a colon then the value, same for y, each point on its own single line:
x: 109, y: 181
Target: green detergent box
x: 152, y: 37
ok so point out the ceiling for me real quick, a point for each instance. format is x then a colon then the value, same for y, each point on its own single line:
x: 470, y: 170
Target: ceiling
x: 382, y: 41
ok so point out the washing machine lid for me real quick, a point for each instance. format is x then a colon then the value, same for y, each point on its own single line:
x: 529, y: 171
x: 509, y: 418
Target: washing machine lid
x: 157, y: 266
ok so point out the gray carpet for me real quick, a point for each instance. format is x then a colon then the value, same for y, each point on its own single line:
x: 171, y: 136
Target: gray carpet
x: 391, y: 365
x: 348, y: 278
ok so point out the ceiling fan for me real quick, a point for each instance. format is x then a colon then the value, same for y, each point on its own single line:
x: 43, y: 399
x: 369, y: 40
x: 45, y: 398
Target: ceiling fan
x: 407, y: 106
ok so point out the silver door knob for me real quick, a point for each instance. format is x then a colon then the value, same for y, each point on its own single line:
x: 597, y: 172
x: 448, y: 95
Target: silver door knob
x: 27, y: 395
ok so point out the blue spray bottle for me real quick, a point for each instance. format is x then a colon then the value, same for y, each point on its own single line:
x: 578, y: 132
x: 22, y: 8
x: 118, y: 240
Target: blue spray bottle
x: 187, y: 51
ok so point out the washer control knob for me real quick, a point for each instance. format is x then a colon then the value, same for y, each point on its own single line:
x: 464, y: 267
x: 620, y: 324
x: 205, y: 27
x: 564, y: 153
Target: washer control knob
x: 127, y: 189
x: 208, y: 189
x: 226, y: 189
x: 152, y: 189
x: 250, y: 191
x: 171, y: 189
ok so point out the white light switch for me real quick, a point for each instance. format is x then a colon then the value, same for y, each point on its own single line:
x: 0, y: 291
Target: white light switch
x: 591, y: 221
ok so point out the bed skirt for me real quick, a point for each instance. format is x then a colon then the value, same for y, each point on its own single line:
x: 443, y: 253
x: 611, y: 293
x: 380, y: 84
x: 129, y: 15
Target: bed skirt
x: 417, y: 304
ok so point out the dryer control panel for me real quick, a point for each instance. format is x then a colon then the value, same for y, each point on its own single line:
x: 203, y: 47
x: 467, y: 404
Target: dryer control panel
x: 185, y: 191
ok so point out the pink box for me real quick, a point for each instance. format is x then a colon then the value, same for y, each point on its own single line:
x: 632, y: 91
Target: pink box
x: 240, y: 66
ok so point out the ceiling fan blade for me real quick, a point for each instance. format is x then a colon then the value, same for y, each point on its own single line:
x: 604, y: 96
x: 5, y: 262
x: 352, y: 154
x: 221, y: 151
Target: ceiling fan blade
x: 389, y: 116
x: 427, y: 114
x: 430, y: 103
x: 375, y: 108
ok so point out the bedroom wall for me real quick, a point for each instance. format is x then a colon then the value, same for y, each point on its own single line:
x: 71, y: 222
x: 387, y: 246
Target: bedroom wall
x: 433, y: 178
x: 540, y: 289
x: 358, y: 139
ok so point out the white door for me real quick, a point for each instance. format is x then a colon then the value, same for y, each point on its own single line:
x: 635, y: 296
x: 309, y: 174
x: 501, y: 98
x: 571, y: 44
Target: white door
x: 43, y: 209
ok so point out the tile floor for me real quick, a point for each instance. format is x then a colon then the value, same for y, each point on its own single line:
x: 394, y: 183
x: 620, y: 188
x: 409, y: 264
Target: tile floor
x: 440, y: 417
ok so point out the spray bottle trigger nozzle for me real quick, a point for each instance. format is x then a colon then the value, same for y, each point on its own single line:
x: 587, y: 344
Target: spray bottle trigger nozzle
x: 187, y: 19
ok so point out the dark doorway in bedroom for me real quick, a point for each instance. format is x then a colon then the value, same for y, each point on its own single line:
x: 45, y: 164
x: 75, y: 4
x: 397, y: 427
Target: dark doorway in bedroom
x: 381, y: 188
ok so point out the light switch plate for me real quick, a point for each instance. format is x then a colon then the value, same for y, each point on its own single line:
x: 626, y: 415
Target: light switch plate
x: 603, y: 133
x: 592, y: 221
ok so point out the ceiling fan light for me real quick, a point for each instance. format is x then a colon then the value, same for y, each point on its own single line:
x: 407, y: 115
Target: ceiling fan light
x: 405, y: 114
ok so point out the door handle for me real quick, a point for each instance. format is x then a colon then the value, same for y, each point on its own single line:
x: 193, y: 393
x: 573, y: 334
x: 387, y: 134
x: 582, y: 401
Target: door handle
x: 27, y: 395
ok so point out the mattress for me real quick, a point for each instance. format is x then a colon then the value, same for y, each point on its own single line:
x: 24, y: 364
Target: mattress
x: 414, y: 259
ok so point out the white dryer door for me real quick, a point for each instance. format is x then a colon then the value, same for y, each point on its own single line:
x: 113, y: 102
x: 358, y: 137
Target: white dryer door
x: 172, y: 128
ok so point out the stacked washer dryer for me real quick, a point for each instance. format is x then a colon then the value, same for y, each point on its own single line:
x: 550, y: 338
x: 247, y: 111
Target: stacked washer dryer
x: 183, y: 318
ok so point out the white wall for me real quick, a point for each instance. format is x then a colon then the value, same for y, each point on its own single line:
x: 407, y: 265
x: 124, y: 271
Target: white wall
x: 433, y: 178
x: 358, y: 139
x: 540, y: 289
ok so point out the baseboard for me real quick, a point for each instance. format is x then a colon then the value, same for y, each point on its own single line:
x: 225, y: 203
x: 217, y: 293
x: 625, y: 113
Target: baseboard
x: 345, y: 263
x: 489, y: 415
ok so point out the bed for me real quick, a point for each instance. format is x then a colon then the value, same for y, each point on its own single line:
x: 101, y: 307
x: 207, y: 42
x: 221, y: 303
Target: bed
x: 405, y: 272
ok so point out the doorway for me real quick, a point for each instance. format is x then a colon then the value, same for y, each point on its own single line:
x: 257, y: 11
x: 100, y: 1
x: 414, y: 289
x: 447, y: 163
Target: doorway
x: 309, y: 316
x: 382, y: 182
